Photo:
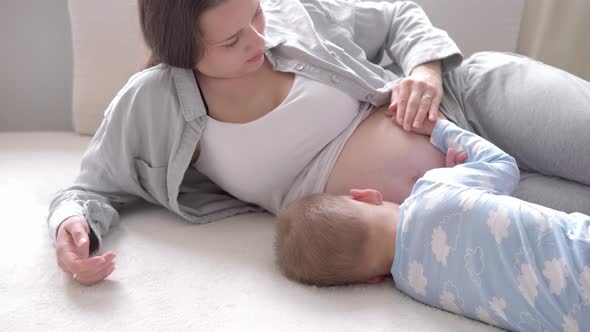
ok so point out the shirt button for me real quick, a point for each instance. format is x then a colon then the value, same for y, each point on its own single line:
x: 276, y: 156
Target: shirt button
x: 335, y: 79
x: 369, y: 97
x: 299, y: 67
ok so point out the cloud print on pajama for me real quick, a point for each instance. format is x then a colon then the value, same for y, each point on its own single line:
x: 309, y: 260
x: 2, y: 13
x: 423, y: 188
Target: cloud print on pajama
x: 496, y: 251
x: 498, y: 222
x: 450, y: 300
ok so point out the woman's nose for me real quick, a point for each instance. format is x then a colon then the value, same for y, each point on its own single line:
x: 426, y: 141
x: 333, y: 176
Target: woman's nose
x: 256, y: 37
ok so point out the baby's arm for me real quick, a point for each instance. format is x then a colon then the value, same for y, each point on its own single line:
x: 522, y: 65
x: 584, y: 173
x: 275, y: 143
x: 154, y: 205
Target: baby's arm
x: 486, y: 165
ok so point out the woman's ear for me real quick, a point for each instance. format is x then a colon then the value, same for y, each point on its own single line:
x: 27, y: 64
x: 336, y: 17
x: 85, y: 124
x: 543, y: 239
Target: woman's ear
x: 370, y: 196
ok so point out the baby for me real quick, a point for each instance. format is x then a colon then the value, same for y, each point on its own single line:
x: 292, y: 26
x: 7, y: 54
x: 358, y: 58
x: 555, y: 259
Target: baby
x: 458, y: 243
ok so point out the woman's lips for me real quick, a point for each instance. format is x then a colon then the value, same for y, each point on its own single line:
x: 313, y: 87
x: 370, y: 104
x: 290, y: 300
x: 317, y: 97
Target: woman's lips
x: 256, y: 57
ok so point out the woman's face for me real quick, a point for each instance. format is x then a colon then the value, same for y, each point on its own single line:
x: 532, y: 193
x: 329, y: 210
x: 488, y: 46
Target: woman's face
x: 233, y: 37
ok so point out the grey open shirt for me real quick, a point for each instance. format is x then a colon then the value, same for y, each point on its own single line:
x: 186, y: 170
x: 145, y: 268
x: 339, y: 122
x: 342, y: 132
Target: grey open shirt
x: 145, y: 142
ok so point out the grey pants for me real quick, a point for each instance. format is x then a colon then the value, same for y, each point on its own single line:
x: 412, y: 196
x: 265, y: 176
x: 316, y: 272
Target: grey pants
x: 537, y: 113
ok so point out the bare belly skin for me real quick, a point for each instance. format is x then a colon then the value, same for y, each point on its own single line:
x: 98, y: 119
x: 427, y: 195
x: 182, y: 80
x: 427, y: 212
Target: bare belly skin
x: 380, y: 155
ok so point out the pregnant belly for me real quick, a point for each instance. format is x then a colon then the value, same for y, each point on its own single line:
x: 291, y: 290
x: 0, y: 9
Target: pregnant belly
x: 380, y: 155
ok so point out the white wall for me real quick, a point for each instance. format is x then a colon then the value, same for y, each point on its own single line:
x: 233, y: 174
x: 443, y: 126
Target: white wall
x: 478, y: 25
x: 557, y: 32
x: 35, y: 65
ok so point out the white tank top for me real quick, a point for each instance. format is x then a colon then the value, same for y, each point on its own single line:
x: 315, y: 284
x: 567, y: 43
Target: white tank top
x: 258, y: 161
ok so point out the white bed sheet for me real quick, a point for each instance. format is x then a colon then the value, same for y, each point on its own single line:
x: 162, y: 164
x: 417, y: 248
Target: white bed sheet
x: 171, y: 275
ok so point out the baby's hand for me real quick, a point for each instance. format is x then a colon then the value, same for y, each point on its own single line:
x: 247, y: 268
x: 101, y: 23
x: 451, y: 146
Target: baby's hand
x: 453, y: 158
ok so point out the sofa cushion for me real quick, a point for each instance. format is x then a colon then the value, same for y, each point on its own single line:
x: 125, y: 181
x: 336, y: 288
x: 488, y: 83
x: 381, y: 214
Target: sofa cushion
x: 108, y: 49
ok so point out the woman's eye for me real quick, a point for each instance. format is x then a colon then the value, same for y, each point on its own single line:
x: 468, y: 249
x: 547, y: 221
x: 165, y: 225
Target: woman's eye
x: 232, y: 44
x: 258, y: 12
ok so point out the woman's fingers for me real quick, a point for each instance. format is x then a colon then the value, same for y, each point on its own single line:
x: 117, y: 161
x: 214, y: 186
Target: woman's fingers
x: 72, y: 249
x: 94, y: 264
x: 78, y: 231
x: 74, y: 240
x: 109, y: 256
x: 393, y: 106
x: 90, y: 264
x: 414, y: 101
x: 417, y: 97
x: 72, y: 261
x: 91, y: 275
x: 75, y: 264
x: 94, y: 272
x: 67, y: 252
x: 97, y: 276
x: 412, y: 108
x: 402, y: 100
x: 425, y: 104
x: 433, y: 112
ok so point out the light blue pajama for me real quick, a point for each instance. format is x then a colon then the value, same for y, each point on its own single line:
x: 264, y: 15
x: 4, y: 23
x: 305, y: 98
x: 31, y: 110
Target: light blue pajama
x: 463, y: 245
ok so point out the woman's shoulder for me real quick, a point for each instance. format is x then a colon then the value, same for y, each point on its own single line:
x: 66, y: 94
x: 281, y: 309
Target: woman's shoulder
x: 155, y: 88
x: 156, y: 78
x: 147, y: 109
x: 151, y: 99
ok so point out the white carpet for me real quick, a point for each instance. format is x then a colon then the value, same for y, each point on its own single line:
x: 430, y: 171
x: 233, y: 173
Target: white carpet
x: 171, y: 275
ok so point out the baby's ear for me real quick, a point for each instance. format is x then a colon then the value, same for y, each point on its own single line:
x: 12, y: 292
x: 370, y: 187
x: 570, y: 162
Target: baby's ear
x: 370, y: 196
x: 375, y: 280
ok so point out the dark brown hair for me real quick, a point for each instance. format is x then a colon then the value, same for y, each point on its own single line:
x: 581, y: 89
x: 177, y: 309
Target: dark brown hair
x: 171, y: 31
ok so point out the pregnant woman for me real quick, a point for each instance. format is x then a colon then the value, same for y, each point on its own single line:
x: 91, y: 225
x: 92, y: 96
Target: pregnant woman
x: 251, y: 104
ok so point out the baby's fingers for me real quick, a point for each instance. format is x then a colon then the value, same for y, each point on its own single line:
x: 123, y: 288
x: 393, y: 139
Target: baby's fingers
x: 460, y: 157
x: 450, y: 158
x: 453, y: 158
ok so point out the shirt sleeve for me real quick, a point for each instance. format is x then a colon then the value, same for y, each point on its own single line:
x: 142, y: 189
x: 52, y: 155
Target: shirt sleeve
x: 487, y: 166
x: 105, y: 182
x: 96, y: 194
x: 402, y: 30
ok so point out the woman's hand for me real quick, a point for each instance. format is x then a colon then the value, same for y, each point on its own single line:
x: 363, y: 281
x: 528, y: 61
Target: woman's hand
x: 453, y: 157
x: 72, y: 250
x: 417, y: 96
x: 428, y: 126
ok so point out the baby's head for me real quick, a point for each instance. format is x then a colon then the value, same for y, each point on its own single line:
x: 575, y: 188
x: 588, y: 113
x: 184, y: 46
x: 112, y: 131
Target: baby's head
x: 326, y: 240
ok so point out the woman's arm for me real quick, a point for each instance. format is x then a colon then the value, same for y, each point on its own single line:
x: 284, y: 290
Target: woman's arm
x: 417, y: 97
x: 98, y: 189
x: 403, y: 31
x: 81, y: 214
x: 399, y: 28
